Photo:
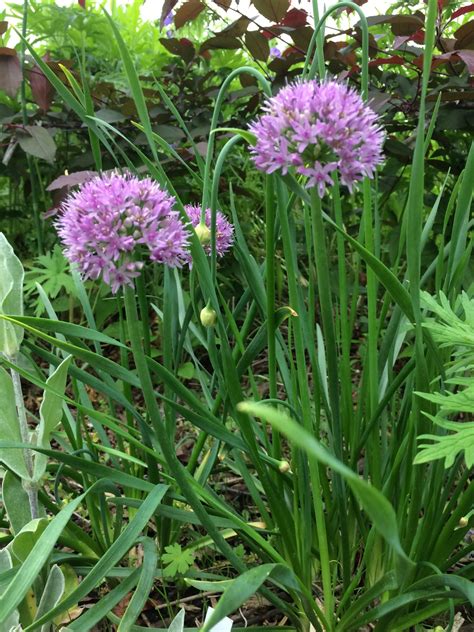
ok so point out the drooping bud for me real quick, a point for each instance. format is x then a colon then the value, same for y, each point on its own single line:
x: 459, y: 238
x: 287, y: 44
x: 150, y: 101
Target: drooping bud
x: 463, y: 522
x: 203, y: 234
x: 208, y: 317
x: 284, y: 467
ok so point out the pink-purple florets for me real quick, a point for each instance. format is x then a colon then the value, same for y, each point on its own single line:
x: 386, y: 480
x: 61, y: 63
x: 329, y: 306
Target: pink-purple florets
x: 114, y: 221
x: 315, y: 129
x: 224, y: 229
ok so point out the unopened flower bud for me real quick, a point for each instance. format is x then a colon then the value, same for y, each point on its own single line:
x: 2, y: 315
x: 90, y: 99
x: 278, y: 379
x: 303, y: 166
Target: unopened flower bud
x: 284, y: 466
x: 203, y: 234
x: 208, y: 317
x: 463, y: 522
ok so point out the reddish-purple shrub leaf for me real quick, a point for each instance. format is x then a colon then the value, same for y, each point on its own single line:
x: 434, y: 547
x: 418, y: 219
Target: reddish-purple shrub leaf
x: 382, y: 61
x: 41, y: 88
x: 273, y: 10
x: 168, y: 6
x: 400, y: 24
x: 223, y: 4
x: 281, y: 65
x: 302, y: 37
x: 188, y: 12
x: 418, y: 37
x: 462, y: 11
x: 257, y: 45
x: 468, y: 58
x: 295, y: 18
x: 333, y: 50
x: 10, y: 71
x: 237, y: 28
x: 82, y: 3
x: 465, y: 35
x: 71, y: 180
x: 36, y: 141
x: 221, y: 41
x: 181, y: 47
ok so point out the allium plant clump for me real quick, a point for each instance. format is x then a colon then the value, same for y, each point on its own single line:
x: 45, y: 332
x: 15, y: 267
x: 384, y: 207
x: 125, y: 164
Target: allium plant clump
x: 224, y: 229
x: 113, y: 222
x: 315, y: 129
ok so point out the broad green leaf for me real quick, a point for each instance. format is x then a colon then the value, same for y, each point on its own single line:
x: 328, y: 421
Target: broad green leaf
x: 37, y: 141
x: 94, y: 359
x: 25, y: 541
x: 177, y: 625
x: 374, y: 502
x: 11, y: 297
x: 144, y: 586
x: 103, y: 606
x: 205, y: 585
x: 29, y: 570
x: 15, y: 501
x: 244, y: 587
x: 249, y: 138
x: 447, y: 446
x: 67, y: 329
x: 462, y: 216
x: 52, y: 593
x: 111, y: 557
x: 51, y: 411
x: 86, y: 466
x: 9, y: 427
x: 186, y: 371
x: 6, y: 564
x: 178, y: 561
x: 456, y: 582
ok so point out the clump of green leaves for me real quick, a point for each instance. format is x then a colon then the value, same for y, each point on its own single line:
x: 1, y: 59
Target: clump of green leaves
x: 51, y: 271
x: 456, y: 332
x: 178, y: 560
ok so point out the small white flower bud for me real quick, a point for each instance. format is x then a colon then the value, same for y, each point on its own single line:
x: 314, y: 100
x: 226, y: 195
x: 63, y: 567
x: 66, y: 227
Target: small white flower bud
x: 203, y: 234
x: 284, y: 466
x: 208, y: 317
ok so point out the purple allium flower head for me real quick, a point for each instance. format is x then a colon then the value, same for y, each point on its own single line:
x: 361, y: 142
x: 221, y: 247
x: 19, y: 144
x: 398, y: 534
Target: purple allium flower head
x: 113, y: 221
x: 316, y: 128
x: 224, y: 229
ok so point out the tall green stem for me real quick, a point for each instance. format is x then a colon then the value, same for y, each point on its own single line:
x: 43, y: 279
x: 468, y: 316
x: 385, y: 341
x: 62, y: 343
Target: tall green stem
x: 24, y: 115
x: 327, y: 314
x: 270, y: 287
x: 302, y: 375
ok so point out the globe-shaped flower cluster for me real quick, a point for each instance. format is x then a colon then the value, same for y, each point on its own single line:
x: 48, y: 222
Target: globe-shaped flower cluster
x: 315, y: 129
x: 114, y: 222
x: 224, y: 229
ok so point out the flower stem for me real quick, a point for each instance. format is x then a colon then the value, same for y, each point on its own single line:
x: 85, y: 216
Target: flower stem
x: 307, y: 419
x: 325, y: 302
x: 24, y: 115
x: 270, y: 283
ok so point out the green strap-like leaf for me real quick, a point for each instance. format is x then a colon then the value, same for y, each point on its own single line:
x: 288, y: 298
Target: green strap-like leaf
x: 374, y: 502
x: 244, y: 586
x: 144, y: 586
